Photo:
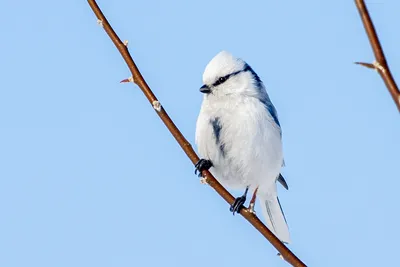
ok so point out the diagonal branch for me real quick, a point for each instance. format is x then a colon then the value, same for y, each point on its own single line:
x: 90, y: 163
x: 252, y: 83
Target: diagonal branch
x: 185, y: 145
x: 380, y: 64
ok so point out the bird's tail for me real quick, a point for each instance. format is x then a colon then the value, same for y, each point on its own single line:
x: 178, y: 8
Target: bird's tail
x: 275, y: 219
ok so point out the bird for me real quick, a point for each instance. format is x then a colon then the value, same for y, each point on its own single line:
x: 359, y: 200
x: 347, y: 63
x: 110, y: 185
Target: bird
x: 239, y: 138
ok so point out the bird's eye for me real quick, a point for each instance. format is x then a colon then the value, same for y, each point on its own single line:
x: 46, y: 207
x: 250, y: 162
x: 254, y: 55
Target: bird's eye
x: 222, y: 79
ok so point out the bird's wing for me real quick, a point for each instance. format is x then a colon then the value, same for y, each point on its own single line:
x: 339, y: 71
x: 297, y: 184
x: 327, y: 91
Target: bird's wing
x: 271, y: 109
x: 283, y: 182
x: 266, y: 101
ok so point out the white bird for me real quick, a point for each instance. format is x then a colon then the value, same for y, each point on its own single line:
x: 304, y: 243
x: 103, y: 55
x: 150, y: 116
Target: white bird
x: 239, y: 137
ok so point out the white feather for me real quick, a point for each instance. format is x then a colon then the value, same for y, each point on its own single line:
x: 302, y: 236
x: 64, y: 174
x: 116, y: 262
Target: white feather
x: 248, y: 148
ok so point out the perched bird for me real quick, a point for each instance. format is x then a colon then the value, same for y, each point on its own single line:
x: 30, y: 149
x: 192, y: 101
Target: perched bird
x: 239, y: 137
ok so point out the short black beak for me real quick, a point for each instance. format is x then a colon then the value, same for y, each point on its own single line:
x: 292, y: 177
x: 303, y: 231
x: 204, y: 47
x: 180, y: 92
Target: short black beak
x: 205, y: 89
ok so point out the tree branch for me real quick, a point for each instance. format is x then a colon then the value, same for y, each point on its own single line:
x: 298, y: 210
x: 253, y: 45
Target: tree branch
x: 380, y: 64
x: 187, y: 148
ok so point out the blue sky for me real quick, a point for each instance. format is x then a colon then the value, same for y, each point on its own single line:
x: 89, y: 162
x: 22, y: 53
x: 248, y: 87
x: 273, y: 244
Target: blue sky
x: 89, y: 176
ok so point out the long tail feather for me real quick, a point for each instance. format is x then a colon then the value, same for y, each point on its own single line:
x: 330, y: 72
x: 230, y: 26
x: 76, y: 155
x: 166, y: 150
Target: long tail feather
x: 275, y: 219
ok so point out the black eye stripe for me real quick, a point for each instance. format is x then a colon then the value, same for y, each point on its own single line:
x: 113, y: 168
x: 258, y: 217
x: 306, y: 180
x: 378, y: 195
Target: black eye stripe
x: 223, y: 79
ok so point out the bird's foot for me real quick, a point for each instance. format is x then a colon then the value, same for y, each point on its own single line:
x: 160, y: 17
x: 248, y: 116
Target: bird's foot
x: 238, y: 204
x: 203, y: 164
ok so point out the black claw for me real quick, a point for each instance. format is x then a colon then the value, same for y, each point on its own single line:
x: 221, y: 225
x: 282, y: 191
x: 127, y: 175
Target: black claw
x: 238, y: 204
x: 203, y: 164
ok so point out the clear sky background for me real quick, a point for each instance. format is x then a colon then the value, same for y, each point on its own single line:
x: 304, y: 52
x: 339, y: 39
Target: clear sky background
x: 89, y: 175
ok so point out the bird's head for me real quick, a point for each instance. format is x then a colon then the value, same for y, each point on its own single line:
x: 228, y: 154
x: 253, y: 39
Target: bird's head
x: 227, y: 75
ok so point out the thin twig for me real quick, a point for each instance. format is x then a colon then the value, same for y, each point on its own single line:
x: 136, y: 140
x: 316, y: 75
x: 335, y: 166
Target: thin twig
x: 187, y: 148
x: 380, y: 64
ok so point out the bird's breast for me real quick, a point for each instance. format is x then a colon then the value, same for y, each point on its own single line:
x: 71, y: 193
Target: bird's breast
x: 240, y: 140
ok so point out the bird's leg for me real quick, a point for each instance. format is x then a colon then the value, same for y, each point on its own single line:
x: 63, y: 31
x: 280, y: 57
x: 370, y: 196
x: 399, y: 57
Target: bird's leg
x: 203, y: 164
x: 239, y: 201
x: 253, y: 201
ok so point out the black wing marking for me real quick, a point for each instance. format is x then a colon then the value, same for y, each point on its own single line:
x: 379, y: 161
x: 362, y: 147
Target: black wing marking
x: 282, y: 181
